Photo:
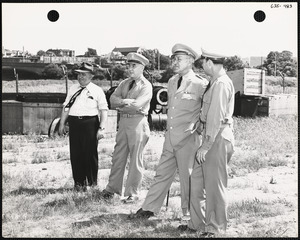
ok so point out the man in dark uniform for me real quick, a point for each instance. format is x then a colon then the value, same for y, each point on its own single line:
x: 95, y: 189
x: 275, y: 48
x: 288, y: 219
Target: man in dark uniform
x: 85, y: 108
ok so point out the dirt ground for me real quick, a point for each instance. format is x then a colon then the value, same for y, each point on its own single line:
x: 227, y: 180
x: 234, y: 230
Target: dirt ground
x: 267, y: 184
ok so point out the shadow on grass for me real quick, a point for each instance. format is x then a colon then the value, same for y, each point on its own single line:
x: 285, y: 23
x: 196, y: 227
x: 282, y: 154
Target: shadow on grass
x: 33, y: 191
x: 107, y: 218
x: 134, y: 228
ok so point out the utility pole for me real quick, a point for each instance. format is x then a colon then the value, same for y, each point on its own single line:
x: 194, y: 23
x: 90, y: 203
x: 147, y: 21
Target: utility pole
x: 158, y: 60
x: 275, y: 65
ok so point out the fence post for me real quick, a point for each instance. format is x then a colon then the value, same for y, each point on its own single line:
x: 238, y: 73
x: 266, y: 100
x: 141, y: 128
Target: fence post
x: 17, y: 81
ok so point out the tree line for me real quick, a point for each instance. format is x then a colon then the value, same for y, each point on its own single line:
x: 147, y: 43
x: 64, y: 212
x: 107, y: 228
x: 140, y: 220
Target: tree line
x: 159, y: 68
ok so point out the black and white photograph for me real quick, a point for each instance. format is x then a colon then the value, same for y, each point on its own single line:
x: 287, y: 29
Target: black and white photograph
x: 149, y: 119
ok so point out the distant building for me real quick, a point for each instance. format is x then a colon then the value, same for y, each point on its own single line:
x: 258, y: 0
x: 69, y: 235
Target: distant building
x: 119, y: 54
x: 61, y: 52
x: 125, y: 50
x: 67, y: 56
x: 14, y: 53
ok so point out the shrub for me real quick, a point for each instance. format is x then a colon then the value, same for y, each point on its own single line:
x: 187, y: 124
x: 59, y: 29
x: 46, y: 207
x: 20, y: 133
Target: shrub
x: 118, y: 72
x: 53, y: 71
x: 166, y: 75
x: 156, y: 76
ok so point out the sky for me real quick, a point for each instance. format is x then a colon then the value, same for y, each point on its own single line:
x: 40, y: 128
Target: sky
x: 225, y: 28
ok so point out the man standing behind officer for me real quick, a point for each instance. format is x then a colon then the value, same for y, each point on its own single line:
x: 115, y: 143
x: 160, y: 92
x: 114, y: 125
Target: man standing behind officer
x: 132, y: 99
x: 215, y: 151
x: 185, y: 90
x: 85, y: 108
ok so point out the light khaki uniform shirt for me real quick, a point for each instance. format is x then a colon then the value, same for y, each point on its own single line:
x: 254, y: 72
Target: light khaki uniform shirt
x: 218, y: 107
x: 141, y: 92
x: 184, y: 105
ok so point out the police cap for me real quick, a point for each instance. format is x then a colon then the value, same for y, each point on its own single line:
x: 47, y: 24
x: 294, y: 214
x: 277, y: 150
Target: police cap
x: 214, y: 57
x: 137, y: 58
x: 180, y: 48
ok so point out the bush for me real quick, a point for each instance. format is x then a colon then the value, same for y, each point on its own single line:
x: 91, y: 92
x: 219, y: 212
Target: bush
x: 53, y: 71
x: 156, y: 76
x: 278, y: 81
x: 100, y: 74
x: 166, y: 75
x: 118, y: 72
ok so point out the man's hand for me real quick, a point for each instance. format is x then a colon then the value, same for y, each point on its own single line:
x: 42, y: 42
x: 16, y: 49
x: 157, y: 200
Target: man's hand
x: 61, y: 129
x: 100, y: 134
x: 127, y: 102
x: 198, y: 127
x: 200, y: 155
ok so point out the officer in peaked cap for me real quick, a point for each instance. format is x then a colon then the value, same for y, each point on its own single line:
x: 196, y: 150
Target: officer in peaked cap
x: 132, y: 99
x: 185, y: 91
x: 216, y: 149
x: 180, y: 48
x: 214, y: 57
x: 137, y: 58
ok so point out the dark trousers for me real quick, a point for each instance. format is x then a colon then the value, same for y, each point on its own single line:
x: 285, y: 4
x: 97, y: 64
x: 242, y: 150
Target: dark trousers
x: 83, y: 150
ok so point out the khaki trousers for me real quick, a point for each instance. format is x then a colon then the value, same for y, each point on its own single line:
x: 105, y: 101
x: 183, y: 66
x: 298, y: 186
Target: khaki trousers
x: 211, y: 212
x: 132, y: 137
x: 183, y: 160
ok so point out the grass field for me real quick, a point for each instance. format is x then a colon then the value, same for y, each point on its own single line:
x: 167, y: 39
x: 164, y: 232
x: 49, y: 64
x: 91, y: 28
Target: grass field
x: 38, y: 201
x: 273, y: 85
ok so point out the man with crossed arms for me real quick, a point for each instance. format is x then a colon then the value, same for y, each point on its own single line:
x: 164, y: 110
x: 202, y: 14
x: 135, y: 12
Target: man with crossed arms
x: 132, y: 99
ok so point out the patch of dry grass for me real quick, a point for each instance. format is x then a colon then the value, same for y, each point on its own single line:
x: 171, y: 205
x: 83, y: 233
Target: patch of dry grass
x: 38, y: 200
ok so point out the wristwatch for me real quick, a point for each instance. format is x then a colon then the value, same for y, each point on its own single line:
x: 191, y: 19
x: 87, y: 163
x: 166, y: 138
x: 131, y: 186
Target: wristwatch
x: 101, y: 128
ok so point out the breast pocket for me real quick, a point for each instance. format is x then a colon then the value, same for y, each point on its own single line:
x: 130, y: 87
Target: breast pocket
x: 91, y: 103
x: 188, y: 100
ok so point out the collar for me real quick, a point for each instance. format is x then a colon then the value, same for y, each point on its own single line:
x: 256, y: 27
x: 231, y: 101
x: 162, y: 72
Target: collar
x: 138, y: 80
x: 188, y: 75
x: 88, y: 87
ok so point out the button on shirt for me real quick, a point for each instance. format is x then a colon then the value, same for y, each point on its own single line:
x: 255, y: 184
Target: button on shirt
x: 89, y: 101
x: 218, y: 106
x: 141, y: 92
x: 184, y: 105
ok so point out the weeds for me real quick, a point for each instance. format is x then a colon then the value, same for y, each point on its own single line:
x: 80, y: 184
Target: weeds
x: 253, y: 209
x: 32, y: 195
x: 40, y: 157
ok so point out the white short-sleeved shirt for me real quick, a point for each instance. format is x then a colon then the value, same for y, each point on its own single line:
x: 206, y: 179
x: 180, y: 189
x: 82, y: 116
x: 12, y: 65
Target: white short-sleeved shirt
x: 89, y: 102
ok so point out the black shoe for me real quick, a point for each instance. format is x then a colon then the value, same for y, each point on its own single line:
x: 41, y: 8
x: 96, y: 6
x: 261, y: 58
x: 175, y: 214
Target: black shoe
x: 141, y: 214
x: 184, y: 228
x: 107, y: 195
x: 130, y: 199
x: 79, y: 188
x: 207, y: 235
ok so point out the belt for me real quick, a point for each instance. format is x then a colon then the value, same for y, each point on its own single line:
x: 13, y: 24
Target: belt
x: 82, y: 117
x: 224, y: 125
x: 127, y: 115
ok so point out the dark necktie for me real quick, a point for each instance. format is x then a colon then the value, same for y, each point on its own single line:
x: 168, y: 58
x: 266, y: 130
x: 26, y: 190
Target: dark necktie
x: 131, y: 85
x: 179, y: 82
x: 208, y: 86
x: 73, y: 98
